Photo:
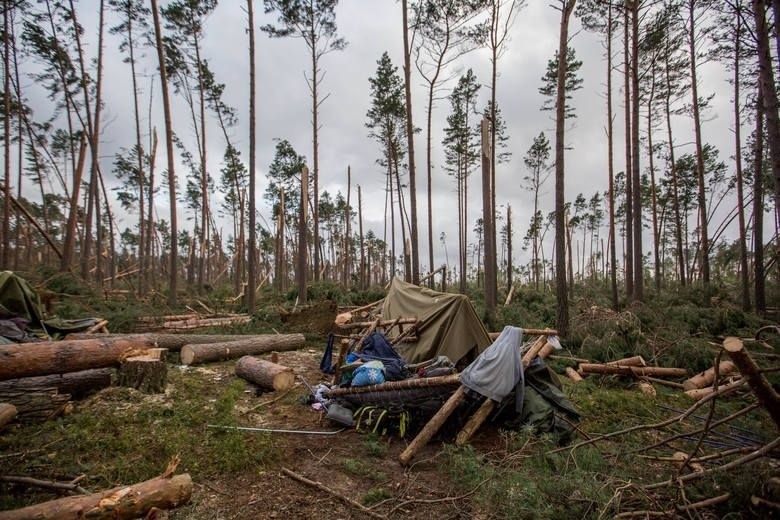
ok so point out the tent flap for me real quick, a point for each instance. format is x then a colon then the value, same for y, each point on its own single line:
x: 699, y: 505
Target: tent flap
x: 449, y: 324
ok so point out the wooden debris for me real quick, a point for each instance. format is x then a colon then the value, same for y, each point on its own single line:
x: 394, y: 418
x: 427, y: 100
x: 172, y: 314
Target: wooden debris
x: 7, y: 413
x: 45, y: 484
x: 120, y: 503
x: 379, y: 323
x: 405, y: 384
x: 96, y: 327
x: 202, y: 323
x: 57, y: 357
x: 342, y: 357
x: 38, y: 397
x: 678, y: 509
x: 204, y: 353
x: 173, y: 342
x: 433, y: 426
x: 634, y: 361
x: 757, y: 382
x: 147, y: 373
x: 646, y: 388
x: 573, y: 375
x: 726, y: 368
x: 680, y: 457
x: 264, y: 373
x: 528, y: 332
x: 596, y: 368
x: 325, y: 489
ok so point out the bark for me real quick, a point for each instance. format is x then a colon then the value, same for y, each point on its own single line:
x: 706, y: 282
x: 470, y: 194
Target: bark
x: 768, y: 94
x: 433, y: 426
x: 147, y: 373
x: 594, y: 368
x: 766, y: 395
x: 706, y: 378
x: 758, y: 211
x: 252, y: 259
x: 57, y: 357
x: 678, y: 227
x: 743, y: 259
x: 573, y: 375
x: 174, y: 252
x: 704, y: 246
x: 7, y: 413
x: 6, y: 228
x: 562, y: 308
x: 611, y: 167
x: 301, y: 273
x: 77, y: 384
x: 487, y: 225
x: 172, y: 342
x: 629, y: 248
x: 410, y: 146
x: 363, y: 283
x: 264, y: 373
x: 120, y: 503
x: 202, y: 353
x: 636, y: 200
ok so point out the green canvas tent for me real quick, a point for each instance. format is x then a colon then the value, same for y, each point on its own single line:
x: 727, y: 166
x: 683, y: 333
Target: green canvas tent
x: 449, y: 324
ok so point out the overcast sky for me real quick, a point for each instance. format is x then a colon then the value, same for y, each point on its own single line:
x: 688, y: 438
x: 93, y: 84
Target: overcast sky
x: 372, y: 27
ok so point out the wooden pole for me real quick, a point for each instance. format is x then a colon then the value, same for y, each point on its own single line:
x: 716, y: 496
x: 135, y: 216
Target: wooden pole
x: 755, y: 379
x: 433, y: 426
x: 595, y: 368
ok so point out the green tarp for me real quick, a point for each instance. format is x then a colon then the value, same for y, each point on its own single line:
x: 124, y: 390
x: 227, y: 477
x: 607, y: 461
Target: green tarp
x: 449, y: 324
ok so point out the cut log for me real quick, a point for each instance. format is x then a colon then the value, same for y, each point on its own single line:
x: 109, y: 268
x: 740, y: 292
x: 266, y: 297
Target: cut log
x: 58, y: 357
x: 726, y: 368
x: 573, y: 375
x: 433, y: 426
x: 701, y: 393
x: 173, y: 342
x: 7, y: 413
x: 193, y: 354
x: 120, y: 503
x: 147, y: 373
x: 595, y: 368
x: 634, y: 361
x: 533, y: 350
x: 406, y: 384
x: 757, y: 382
x: 77, y: 384
x: 646, y: 388
x: 264, y: 373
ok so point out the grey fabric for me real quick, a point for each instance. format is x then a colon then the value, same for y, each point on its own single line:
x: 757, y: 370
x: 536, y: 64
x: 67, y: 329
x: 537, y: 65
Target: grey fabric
x: 499, y: 369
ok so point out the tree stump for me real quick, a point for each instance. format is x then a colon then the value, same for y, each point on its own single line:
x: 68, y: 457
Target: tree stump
x: 264, y: 373
x: 147, y: 373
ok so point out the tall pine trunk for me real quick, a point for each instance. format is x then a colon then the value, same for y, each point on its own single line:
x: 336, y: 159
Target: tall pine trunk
x: 743, y: 259
x: 611, y: 165
x: 410, y: 146
x: 629, y: 248
x: 758, y: 208
x: 251, y: 261
x: 636, y: 196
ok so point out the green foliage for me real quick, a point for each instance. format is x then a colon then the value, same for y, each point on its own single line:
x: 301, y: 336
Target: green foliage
x: 375, y: 495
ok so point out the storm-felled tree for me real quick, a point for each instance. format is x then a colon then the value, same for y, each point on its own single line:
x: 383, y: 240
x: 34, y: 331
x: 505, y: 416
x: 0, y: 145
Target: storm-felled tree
x: 461, y: 154
x: 314, y: 21
x: 185, y: 20
x: 446, y: 30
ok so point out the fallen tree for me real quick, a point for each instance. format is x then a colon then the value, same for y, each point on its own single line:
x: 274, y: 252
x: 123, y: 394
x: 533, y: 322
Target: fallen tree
x: 77, y: 384
x: 58, y: 357
x: 203, y: 353
x: 264, y: 373
x: 622, y: 370
x: 120, y: 503
x: 173, y: 342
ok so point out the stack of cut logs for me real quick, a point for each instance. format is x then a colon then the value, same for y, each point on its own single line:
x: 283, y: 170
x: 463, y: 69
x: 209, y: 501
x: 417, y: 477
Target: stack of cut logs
x: 190, y: 321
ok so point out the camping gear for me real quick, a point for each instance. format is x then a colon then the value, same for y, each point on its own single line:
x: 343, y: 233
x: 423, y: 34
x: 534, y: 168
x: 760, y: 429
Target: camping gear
x: 370, y: 373
x: 448, y: 324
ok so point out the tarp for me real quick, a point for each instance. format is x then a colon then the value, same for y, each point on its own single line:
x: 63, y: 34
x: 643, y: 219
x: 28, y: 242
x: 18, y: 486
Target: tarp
x: 449, y: 325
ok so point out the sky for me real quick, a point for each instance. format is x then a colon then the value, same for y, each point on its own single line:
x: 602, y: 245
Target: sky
x: 372, y: 27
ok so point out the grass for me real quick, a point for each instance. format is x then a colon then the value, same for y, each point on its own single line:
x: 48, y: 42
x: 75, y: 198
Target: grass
x: 121, y: 436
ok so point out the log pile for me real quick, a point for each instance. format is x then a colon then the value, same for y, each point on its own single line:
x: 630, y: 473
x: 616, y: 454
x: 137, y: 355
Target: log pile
x: 120, y: 503
x: 191, y: 321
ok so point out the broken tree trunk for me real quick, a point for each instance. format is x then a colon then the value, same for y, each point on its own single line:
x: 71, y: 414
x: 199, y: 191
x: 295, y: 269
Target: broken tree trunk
x: 264, y: 373
x: 7, y: 413
x: 173, y: 342
x: 634, y: 361
x: 701, y: 393
x: 192, y: 354
x: 147, y: 373
x: 595, y: 368
x: 433, y: 426
x: 77, y: 384
x: 58, y: 357
x: 725, y: 368
x: 120, y: 503
x: 752, y: 374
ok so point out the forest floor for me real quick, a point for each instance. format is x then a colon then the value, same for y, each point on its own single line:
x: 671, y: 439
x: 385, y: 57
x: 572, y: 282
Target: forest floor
x: 120, y: 436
